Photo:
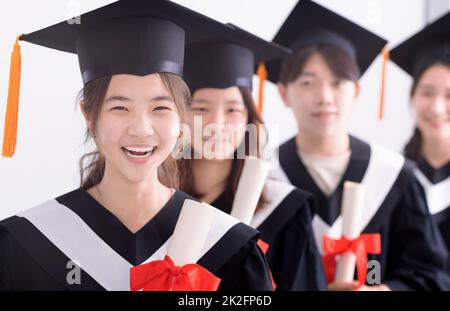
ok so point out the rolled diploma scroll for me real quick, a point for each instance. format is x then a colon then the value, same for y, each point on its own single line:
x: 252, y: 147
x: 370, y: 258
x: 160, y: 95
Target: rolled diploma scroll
x: 352, y: 207
x: 190, y: 232
x: 250, y: 186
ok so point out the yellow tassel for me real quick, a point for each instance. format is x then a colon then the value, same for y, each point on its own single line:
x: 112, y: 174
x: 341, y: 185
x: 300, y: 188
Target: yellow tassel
x: 12, y: 106
x: 385, y: 53
x: 262, y: 74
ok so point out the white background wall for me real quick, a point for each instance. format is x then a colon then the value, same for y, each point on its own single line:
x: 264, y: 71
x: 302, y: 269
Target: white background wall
x: 51, y: 130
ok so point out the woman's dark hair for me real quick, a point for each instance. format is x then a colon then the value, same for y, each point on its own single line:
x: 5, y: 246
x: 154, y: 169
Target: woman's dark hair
x: 413, y: 147
x: 92, y: 165
x: 340, y: 63
x: 187, y: 183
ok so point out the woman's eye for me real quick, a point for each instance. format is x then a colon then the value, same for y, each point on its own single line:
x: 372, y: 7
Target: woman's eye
x: 427, y: 94
x: 234, y: 110
x: 120, y: 108
x: 305, y: 83
x: 161, y: 108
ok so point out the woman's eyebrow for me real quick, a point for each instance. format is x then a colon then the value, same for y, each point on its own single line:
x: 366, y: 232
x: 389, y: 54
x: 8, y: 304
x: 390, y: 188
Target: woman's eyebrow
x: 308, y: 74
x: 117, y: 97
x: 426, y: 86
x: 126, y: 99
x: 161, y: 98
x: 234, y: 101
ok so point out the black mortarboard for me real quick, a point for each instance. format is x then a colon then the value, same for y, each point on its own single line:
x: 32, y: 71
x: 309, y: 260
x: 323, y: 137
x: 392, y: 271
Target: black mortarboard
x: 228, y: 59
x: 311, y: 24
x: 126, y: 37
x: 427, y: 46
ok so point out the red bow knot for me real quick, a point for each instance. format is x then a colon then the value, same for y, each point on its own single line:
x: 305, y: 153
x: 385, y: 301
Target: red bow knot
x: 361, y: 246
x: 163, y: 275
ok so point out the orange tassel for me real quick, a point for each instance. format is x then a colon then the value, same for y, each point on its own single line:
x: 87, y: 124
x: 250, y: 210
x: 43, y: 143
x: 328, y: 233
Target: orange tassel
x: 12, y: 106
x: 262, y: 74
x: 385, y: 53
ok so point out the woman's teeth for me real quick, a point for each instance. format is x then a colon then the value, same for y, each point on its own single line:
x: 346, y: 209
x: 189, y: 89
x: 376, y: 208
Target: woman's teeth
x: 138, y: 152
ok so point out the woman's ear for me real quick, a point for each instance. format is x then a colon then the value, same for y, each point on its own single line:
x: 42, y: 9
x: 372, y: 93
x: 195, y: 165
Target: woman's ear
x: 282, y: 90
x: 86, y: 117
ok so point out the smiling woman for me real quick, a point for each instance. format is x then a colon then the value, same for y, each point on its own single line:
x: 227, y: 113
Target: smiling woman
x: 219, y: 74
x: 122, y: 226
x: 95, y: 98
x: 426, y: 57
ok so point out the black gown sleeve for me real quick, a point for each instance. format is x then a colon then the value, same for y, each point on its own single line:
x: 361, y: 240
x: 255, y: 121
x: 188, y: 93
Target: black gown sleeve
x: 442, y: 219
x: 18, y: 269
x: 417, y: 254
x: 293, y: 256
x: 5, y: 248
x: 247, y: 270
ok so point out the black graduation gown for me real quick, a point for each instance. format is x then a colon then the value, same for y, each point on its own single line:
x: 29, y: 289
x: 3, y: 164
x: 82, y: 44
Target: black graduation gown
x: 436, y: 185
x: 30, y: 260
x: 413, y: 255
x: 284, y: 220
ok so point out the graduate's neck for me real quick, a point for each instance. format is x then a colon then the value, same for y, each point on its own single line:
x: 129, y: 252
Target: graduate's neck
x: 211, y: 177
x: 323, y: 145
x: 134, y: 204
x: 436, y: 151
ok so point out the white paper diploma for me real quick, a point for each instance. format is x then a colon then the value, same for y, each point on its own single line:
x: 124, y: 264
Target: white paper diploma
x: 250, y: 186
x: 190, y: 232
x: 352, y: 207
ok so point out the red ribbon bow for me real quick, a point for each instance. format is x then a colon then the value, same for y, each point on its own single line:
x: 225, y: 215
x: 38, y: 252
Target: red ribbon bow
x: 163, y: 275
x: 361, y: 246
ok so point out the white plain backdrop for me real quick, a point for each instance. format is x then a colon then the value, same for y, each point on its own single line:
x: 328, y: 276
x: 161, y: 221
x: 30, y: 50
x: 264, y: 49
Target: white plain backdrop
x: 50, y: 136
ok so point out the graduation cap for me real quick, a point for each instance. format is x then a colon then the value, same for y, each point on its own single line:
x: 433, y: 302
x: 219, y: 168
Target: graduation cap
x: 126, y: 37
x: 431, y: 44
x: 311, y: 24
x: 229, y: 59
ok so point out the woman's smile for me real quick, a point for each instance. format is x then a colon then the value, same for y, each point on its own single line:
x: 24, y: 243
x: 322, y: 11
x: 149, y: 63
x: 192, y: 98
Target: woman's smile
x: 139, y: 154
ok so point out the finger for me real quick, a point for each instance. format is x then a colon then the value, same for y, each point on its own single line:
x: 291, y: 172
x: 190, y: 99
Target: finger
x: 343, y: 286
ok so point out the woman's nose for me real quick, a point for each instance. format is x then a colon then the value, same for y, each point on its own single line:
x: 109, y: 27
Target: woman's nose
x: 141, y: 126
x: 439, y: 106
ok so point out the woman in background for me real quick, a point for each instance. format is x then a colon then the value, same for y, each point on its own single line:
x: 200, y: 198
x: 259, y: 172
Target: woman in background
x: 219, y: 74
x: 426, y: 57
